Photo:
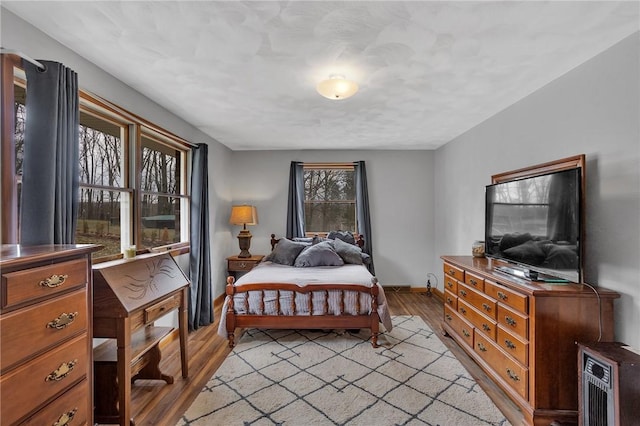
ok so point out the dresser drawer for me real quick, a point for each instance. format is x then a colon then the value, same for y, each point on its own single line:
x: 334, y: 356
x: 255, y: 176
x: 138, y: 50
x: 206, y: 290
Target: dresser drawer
x: 474, y: 281
x: 480, y: 321
x: 34, y: 329
x: 453, y: 272
x: 37, y: 381
x: 513, y: 345
x: 451, y: 299
x: 161, y: 308
x: 42, y: 282
x: 71, y: 408
x: 506, y: 296
x: 462, y: 328
x: 514, y: 374
x: 514, y: 321
x: 451, y: 284
x: 479, y: 300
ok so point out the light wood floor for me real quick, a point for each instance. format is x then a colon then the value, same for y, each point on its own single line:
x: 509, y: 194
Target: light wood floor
x: 154, y: 403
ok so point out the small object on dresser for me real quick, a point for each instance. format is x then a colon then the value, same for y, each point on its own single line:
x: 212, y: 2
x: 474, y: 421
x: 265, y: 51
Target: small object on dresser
x: 477, y: 248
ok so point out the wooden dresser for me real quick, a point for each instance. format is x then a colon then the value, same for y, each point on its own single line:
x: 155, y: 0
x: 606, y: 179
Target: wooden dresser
x: 523, y: 333
x: 45, y: 339
x: 129, y: 296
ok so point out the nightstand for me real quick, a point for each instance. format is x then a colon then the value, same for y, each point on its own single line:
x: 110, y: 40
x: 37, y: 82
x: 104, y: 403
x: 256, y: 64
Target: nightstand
x: 237, y: 266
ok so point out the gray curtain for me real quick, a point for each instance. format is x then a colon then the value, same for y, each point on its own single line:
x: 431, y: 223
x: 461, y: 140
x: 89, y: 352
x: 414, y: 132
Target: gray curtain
x: 362, y: 211
x: 50, y: 169
x: 295, y: 205
x: 200, y: 301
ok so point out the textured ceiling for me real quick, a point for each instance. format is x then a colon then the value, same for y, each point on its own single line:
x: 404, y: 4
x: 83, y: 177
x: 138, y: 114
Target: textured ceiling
x: 245, y: 72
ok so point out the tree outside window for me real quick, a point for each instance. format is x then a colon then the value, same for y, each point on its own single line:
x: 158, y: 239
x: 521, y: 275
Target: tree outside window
x: 330, y: 198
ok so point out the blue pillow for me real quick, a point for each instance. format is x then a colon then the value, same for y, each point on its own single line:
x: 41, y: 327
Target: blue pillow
x: 285, y: 252
x: 321, y: 254
x: 345, y: 236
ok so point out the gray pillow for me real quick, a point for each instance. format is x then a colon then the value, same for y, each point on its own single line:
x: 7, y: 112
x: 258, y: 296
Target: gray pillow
x: 345, y: 236
x: 348, y: 252
x: 285, y: 252
x: 321, y: 254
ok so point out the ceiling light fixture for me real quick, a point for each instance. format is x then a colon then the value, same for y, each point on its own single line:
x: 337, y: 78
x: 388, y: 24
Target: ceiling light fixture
x: 337, y: 87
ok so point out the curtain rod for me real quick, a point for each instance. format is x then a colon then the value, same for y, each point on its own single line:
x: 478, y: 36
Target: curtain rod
x: 23, y: 56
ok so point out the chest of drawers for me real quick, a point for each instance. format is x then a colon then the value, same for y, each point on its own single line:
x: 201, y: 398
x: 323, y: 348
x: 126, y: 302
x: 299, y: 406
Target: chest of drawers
x: 45, y: 344
x: 524, y: 333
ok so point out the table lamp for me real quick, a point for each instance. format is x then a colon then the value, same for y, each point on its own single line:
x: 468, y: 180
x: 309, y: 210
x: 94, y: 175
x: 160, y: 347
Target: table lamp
x: 244, y: 215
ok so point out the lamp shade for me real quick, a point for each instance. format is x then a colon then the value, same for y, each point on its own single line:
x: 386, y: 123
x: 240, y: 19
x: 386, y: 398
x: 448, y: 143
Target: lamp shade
x: 243, y: 215
x: 337, y: 87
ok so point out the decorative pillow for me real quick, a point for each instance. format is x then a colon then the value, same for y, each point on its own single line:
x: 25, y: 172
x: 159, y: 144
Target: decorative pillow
x: 348, y: 252
x: 321, y: 254
x: 345, y: 236
x: 529, y: 252
x: 285, y: 252
x: 316, y: 239
x: 307, y: 241
x: 366, y: 259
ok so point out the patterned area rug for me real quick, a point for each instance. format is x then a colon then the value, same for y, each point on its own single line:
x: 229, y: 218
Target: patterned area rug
x: 289, y: 377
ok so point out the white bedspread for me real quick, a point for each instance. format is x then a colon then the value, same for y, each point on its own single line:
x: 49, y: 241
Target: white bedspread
x: 266, y: 272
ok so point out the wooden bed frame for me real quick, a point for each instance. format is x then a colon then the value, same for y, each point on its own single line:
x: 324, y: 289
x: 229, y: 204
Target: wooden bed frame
x: 322, y: 322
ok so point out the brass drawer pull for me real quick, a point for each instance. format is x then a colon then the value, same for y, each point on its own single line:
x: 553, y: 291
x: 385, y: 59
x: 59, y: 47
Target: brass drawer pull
x: 463, y: 311
x: 466, y: 333
x: 473, y: 282
x: 510, y: 321
x: 485, y: 327
x: 482, y: 347
x: 63, y: 371
x: 62, y: 321
x: 53, y: 281
x: 463, y: 293
x: 449, y: 300
x: 513, y: 376
x: 450, y: 284
x: 486, y: 307
x: 452, y: 272
x: 509, y: 344
x: 502, y: 296
x: 65, y: 418
x: 448, y: 317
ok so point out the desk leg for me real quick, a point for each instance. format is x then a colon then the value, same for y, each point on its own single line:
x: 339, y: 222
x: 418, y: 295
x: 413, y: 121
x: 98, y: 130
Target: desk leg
x: 183, y: 325
x: 123, y: 334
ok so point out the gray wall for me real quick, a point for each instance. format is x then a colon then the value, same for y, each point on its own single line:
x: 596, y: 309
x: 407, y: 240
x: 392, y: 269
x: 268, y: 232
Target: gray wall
x: 592, y: 110
x: 400, y: 194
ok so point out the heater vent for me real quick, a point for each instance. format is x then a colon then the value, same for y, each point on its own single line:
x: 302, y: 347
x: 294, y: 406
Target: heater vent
x: 608, y: 376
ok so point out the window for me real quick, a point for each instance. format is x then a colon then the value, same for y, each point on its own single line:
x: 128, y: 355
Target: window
x: 133, y: 174
x: 105, y: 199
x: 329, y: 198
x: 163, y: 192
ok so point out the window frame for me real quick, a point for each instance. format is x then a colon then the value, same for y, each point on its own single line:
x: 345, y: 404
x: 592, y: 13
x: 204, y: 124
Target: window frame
x: 331, y: 166
x: 134, y: 129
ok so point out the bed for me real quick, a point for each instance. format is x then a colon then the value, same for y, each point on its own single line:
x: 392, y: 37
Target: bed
x: 306, y: 285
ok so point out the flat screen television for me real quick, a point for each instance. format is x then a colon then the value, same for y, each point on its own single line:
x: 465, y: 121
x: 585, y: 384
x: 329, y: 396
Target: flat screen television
x: 535, y: 224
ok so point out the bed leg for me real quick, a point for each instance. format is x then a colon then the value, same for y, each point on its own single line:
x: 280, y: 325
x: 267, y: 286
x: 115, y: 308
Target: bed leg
x: 232, y: 338
x: 374, y: 339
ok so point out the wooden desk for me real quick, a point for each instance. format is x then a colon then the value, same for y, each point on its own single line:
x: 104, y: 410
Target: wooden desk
x: 129, y: 295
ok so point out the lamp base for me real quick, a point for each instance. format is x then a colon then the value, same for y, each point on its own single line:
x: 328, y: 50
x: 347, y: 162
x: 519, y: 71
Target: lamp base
x: 244, y: 240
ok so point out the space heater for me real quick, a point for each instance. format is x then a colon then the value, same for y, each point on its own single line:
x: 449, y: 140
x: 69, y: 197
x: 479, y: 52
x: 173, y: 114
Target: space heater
x: 609, y: 382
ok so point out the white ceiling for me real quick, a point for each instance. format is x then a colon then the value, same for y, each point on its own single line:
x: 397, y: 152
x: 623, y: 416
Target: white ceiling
x: 245, y: 72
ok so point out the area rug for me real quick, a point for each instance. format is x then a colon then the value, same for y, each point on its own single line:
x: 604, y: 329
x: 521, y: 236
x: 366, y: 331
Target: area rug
x: 293, y: 377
